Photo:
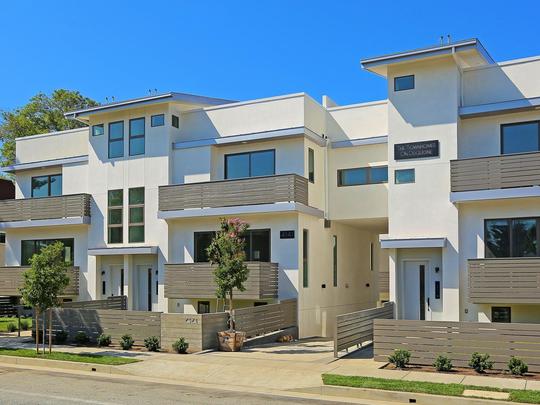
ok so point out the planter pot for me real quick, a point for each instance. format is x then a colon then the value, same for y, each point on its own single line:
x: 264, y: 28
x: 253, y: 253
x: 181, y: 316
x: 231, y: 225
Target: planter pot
x: 231, y: 341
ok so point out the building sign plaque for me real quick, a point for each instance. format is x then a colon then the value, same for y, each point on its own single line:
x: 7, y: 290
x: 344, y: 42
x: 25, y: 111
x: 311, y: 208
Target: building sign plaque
x: 416, y: 150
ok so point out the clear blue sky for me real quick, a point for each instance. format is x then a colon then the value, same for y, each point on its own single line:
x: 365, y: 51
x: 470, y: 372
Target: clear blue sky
x: 236, y: 49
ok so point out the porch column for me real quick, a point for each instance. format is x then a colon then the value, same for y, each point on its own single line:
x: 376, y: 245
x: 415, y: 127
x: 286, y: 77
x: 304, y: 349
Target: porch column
x: 392, y: 279
x: 129, y: 289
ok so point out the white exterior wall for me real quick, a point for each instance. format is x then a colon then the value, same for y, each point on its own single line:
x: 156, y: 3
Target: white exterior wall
x: 41, y: 147
x: 358, y: 121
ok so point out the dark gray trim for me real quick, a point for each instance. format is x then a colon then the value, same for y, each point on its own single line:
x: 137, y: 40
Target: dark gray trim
x: 248, y: 153
x: 512, y: 124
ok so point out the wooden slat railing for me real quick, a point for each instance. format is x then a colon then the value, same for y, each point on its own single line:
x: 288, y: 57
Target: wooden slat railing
x: 118, y: 302
x: 237, y: 192
x: 495, y: 172
x: 255, y: 321
x: 384, y: 282
x: 509, y: 280
x: 11, y: 280
x: 356, y: 328
x: 458, y: 340
x: 31, y: 209
x: 196, y: 280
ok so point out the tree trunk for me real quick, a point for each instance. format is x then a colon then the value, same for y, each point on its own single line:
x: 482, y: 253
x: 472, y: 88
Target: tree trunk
x: 36, y: 311
x: 232, y: 325
x: 44, y: 334
x: 50, y: 330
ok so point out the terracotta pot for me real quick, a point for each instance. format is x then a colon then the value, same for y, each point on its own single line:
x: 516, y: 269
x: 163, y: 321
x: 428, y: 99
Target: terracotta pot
x: 231, y: 341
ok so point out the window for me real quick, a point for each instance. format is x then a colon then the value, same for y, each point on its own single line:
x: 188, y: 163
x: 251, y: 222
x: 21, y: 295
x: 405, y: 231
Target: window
x: 115, y: 216
x: 305, y: 253
x: 203, y: 307
x: 157, y: 120
x: 335, y: 263
x: 201, y: 241
x: 371, y: 256
x: 311, y: 165
x: 250, y: 164
x: 403, y: 176
x: 257, y: 246
x: 520, y: 137
x: 501, y: 314
x: 518, y: 237
x: 116, y: 139
x: 362, y: 176
x: 31, y: 247
x: 175, y: 121
x: 136, y: 215
x: 2, y: 237
x: 46, y: 186
x: 98, y: 130
x: 404, y: 83
x: 136, y: 136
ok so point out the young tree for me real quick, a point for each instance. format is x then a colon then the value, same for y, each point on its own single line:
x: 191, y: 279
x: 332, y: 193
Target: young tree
x: 44, y: 282
x: 227, y: 253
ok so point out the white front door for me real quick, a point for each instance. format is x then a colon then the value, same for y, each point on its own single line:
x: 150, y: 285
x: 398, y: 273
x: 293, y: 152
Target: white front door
x: 415, y: 297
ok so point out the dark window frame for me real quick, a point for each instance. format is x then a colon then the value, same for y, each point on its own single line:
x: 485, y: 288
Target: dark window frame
x: 511, y: 234
x: 102, y: 126
x: 203, y: 303
x: 305, y: 258
x: 404, y: 77
x: 493, y: 309
x: 368, y: 180
x: 196, y: 243
x: 405, y: 170
x: 249, y: 160
x: 155, y: 116
x: 511, y: 124
x: 48, y: 176
x: 48, y: 241
x: 311, y: 165
x: 175, y: 121
x: 120, y: 140
x: 335, y: 260
x: 137, y: 224
x: 115, y: 208
x: 132, y: 137
x: 248, y: 234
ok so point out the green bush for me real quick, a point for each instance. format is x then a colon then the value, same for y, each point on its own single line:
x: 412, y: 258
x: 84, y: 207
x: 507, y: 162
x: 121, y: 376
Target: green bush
x: 480, y: 362
x: 126, y: 342
x: 104, y: 340
x: 152, y: 343
x: 25, y: 324
x: 81, y: 338
x: 442, y: 363
x: 60, y: 337
x: 400, y: 358
x: 11, y: 327
x: 517, y: 366
x: 180, y: 346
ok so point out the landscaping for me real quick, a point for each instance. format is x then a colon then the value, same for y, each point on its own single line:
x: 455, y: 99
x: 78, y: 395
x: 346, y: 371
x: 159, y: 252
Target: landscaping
x: 80, y: 358
x: 7, y: 324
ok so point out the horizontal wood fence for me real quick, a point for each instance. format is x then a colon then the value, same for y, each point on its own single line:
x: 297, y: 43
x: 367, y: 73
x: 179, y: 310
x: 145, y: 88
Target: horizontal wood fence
x: 118, y: 302
x: 458, y: 340
x: 199, y: 330
x: 495, y: 172
x: 12, y: 280
x: 31, y: 209
x: 355, y: 328
x: 255, y: 321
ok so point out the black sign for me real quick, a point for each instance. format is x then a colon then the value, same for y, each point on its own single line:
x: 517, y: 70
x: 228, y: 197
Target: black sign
x: 286, y: 234
x: 416, y: 150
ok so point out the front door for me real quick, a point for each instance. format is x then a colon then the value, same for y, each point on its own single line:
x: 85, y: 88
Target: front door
x: 415, y: 296
x: 145, y: 293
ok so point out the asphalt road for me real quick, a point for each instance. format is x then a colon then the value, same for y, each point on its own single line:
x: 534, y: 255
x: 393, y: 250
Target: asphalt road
x: 21, y: 386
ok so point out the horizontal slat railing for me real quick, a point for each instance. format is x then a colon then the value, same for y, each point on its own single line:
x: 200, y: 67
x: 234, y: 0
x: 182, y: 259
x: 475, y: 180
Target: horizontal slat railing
x: 495, y: 172
x: 196, y: 280
x: 11, y: 280
x: 255, y: 321
x: 509, y: 281
x: 355, y: 328
x: 119, y: 302
x: 237, y: 192
x: 31, y: 209
x: 458, y: 340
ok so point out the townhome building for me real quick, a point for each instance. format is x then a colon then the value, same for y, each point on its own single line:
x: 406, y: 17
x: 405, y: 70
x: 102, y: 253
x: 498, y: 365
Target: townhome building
x: 429, y: 199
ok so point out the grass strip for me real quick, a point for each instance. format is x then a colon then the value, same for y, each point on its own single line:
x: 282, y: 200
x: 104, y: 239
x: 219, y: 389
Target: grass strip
x: 525, y: 396
x: 79, y: 358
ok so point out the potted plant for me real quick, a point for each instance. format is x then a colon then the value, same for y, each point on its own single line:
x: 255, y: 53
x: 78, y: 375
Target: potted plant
x: 226, y: 253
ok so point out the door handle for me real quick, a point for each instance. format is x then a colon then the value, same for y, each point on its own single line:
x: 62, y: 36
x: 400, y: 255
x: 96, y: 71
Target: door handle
x: 428, y: 302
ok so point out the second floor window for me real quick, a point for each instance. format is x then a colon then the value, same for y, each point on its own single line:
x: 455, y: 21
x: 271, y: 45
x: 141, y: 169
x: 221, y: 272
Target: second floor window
x: 520, y: 137
x: 31, y: 247
x: 362, y: 176
x: 512, y: 237
x: 46, y: 186
x: 257, y: 246
x: 136, y: 137
x: 116, y: 139
x: 250, y: 164
x: 115, y: 216
x: 311, y: 165
x: 136, y: 215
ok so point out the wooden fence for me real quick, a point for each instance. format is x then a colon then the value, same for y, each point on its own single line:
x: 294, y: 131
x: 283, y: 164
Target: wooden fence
x: 458, y: 340
x: 355, y: 328
x: 118, y: 302
x: 199, y: 330
x: 266, y: 318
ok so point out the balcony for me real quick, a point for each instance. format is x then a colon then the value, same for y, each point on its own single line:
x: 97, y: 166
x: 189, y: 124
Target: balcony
x: 196, y: 280
x: 74, y: 207
x: 495, y: 172
x: 11, y: 280
x: 506, y: 281
x: 237, y: 192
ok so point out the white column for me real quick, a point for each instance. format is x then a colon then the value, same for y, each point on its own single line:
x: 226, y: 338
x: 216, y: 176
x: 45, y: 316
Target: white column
x: 129, y: 285
x: 393, y: 279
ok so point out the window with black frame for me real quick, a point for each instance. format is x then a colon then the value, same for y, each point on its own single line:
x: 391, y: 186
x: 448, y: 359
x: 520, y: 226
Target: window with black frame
x: 250, y: 164
x: 512, y: 237
x: 257, y: 245
x: 520, y: 137
x: 47, y: 186
x: 31, y: 247
x: 362, y: 176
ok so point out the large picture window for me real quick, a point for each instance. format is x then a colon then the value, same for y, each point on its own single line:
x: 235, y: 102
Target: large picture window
x: 257, y: 245
x: 136, y: 137
x: 46, y: 186
x: 520, y: 137
x: 116, y: 139
x: 115, y: 216
x: 514, y: 237
x: 136, y: 215
x: 31, y: 247
x: 250, y: 164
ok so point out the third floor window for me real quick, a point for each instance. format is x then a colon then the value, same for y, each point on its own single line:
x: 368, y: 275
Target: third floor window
x: 520, y: 137
x: 136, y: 137
x: 46, y: 186
x: 250, y: 164
x: 116, y: 139
x: 362, y: 175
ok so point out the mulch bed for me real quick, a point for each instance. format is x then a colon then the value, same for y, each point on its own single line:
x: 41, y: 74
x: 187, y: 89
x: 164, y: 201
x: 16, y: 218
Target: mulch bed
x: 465, y: 371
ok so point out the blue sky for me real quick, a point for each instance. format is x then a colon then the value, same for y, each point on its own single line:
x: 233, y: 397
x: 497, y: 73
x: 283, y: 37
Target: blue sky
x: 236, y: 49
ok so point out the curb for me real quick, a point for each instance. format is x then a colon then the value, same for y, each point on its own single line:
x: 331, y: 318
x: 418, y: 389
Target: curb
x: 62, y: 365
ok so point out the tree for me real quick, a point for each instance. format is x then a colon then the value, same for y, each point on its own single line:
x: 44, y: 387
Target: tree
x: 44, y: 282
x: 226, y: 252
x: 42, y: 114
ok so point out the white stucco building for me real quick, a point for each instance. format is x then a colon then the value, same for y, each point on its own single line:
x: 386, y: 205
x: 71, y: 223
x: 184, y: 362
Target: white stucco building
x: 430, y: 198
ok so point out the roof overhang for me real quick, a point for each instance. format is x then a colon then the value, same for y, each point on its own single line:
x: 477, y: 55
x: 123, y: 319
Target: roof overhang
x: 45, y: 163
x: 411, y: 243
x: 502, y: 107
x: 130, y: 250
x: 471, y: 51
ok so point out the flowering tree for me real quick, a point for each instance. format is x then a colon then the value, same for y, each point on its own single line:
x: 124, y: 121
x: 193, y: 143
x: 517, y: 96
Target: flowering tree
x: 227, y: 253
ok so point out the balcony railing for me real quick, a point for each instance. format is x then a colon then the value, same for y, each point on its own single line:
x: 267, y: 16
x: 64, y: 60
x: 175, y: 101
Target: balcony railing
x: 505, y: 281
x: 11, y: 280
x: 196, y: 280
x: 229, y: 193
x: 31, y: 209
x: 495, y: 172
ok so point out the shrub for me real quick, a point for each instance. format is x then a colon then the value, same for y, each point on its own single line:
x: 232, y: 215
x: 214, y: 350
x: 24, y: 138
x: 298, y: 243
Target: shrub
x: 480, y: 362
x: 25, y: 324
x: 60, y: 337
x: 180, y: 346
x: 11, y: 327
x: 126, y: 342
x: 517, y: 366
x: 81, y: 338
x: 104, y: 340
x: 400, y: 358
x: 442, y: 363
x: 152, y: 343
